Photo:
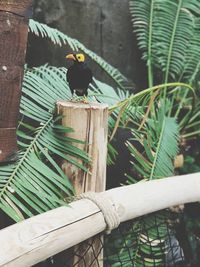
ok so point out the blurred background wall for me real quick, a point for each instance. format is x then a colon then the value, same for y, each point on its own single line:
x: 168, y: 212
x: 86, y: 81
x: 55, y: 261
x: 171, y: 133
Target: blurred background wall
x: 101, y: 25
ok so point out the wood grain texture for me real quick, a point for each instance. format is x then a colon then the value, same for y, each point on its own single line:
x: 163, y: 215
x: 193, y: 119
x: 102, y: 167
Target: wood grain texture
x: 42, y: 236
x: 20, y: 7
x: 13, y: 39
x: 45, y: 235
x: 90, y: 124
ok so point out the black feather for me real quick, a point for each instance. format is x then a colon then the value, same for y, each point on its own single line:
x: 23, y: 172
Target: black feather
x: 79, y: 76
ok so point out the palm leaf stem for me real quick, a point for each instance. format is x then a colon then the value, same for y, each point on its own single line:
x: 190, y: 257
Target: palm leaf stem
x: 157, y: 151
x: 183, y: 98
x: 192, y: 79
x: 150, y: 90
x: 171, y: 47
x: 149, y: 64
x: 191, y: 134
x: 172, y: 103
x: 187, y: 118
x: 191, y: 125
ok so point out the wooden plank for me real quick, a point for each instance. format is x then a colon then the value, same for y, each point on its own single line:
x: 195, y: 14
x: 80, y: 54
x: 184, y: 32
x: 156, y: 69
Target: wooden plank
x: 21, y: 7
x: 42, y: 236
x: 13, y: 39
x: 146, y: 197
x: 90, y: 124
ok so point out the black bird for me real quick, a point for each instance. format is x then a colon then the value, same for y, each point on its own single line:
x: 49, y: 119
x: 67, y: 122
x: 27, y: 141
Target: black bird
x: 79, y: 75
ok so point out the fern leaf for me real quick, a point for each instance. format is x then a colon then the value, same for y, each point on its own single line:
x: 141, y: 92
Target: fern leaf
x: 166, y: 38
x: 35, y: 183
x: 29, y: 186
x: 142, y: 17
x: 192, y: 64
x: 173, y: 33
x: 160, y: 146
x: 166, y: 150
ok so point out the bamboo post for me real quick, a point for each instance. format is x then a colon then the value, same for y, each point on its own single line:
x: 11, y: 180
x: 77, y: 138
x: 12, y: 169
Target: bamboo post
x: 90, y: 123
x: 13, y: 39
x: 35, y: 239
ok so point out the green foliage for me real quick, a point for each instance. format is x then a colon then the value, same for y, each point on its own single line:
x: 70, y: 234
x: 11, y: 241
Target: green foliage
x: 160, y: 141
x: 191, y: 71
x: 35, y: 183
x: 168, y: 34
x: 164, y: 30
x: 104, y: 93
x: 140, y: 241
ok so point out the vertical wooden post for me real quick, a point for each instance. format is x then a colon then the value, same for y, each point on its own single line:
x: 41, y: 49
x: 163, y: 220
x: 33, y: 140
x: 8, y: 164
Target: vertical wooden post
x: 90, y: 123
x: 13, y: 39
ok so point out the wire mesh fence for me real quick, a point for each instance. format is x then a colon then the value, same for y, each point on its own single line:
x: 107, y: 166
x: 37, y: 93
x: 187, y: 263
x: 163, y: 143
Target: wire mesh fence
x: 151, y: 241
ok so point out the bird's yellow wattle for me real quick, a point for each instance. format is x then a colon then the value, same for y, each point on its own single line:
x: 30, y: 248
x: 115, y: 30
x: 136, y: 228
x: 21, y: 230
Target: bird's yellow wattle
x: 80, y: 57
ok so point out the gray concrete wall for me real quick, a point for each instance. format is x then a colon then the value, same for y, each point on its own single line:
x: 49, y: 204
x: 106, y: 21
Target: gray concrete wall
x: 103, y: 26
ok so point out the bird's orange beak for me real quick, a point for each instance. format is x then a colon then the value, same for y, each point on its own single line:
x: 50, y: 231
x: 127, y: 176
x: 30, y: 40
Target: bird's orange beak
x: 70, y: 56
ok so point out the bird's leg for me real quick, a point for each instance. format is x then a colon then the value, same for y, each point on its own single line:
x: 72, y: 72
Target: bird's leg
x: 75, y: 98
x: 85, y: 99
x: 72, y: 98
x: 78, y: 98
x: 81, y: 98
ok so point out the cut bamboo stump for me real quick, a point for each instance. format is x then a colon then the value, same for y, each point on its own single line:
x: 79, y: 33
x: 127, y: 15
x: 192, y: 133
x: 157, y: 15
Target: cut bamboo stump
x: 13, y: 39
x: 90, y: 123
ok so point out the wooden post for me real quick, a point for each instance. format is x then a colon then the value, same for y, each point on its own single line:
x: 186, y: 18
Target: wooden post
x: 90, y: 123
x: 13, y: 38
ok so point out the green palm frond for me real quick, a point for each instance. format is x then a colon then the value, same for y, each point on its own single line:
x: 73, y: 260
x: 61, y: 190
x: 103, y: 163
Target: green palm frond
x: 35, y: 183
x: 160, y: 146
x: 191, y: 72
x: 173, y: 35
x: 59, y: 38
x: 107, y: 94
x: 166, y: 149
x: 193, y: 125
x: 135, y: 106
x: 158, y: 143
x: 104, y: 93
x: 139, y: 97
x: 142, y: 17
x: 31, y: 186
x: 164, y: 29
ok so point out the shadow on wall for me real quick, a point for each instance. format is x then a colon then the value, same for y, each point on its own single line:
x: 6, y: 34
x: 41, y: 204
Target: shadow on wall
x: 102, y: 26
